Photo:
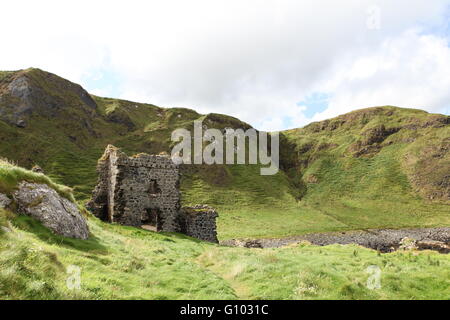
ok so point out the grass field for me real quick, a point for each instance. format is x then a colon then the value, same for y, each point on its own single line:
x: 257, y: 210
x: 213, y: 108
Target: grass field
x: 128, y: 263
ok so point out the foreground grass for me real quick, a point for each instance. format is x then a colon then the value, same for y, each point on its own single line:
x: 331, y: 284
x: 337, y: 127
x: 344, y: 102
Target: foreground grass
x: 128, y: 263
x: 332, y: 272
x: 116, y: 263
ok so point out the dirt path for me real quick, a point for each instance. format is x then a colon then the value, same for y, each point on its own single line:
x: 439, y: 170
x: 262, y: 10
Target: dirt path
x: 384, y: 240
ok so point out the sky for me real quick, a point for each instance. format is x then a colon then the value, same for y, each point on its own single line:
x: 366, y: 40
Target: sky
x: 276, y: 64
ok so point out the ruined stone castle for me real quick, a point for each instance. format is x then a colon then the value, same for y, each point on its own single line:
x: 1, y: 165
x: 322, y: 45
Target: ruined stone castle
x: 144, y: 191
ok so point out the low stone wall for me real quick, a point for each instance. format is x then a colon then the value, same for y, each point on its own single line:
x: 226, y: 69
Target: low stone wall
x: 199, y: 222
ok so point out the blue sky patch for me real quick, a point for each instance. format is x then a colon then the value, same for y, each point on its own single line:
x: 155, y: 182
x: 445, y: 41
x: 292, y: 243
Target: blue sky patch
x: 315, y: 103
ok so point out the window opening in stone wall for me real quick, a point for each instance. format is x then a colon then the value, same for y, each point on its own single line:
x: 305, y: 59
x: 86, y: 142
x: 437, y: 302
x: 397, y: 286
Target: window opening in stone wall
x: 154, y: 189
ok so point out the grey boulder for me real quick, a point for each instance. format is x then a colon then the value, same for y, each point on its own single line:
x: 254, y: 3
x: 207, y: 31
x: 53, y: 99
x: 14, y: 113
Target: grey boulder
x: 54, y: 211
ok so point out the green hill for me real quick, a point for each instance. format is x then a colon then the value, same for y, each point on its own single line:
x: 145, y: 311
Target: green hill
x: 371, y: 168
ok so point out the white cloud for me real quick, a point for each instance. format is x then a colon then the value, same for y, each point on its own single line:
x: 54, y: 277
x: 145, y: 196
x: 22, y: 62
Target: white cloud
x: 251, y: 59
x: 410, y: 70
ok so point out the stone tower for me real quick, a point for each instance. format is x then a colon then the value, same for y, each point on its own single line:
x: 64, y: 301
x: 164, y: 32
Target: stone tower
x: 144, y: 191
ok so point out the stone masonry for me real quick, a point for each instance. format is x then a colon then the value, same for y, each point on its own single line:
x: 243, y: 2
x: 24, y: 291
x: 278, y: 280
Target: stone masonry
x: 199, y: 222
x: 144, y: 191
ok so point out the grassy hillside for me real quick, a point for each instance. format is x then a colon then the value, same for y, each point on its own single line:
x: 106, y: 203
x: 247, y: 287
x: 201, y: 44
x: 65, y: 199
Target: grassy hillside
x: 377, y: 167
x: 11, y: 175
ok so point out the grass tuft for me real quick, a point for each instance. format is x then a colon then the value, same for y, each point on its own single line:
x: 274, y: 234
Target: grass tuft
x: 11, y: 175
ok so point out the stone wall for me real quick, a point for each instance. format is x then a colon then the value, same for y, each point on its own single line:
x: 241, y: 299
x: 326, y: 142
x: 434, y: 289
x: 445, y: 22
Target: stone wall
x: 144, y: 190
x: 199, y: 222
x: 99, y: 204
x: 147, y: 190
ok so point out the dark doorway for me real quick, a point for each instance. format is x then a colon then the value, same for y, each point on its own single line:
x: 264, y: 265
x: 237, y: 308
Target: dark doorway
x: 151, y: 219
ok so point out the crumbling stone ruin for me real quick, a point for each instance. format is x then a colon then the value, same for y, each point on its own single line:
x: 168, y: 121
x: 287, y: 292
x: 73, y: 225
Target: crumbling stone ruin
x: 199, y: 222
x: 144, y: 191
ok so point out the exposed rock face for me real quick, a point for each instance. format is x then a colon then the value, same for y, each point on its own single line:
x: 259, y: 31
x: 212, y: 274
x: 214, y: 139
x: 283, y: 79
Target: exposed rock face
x: 35, y: 91
x: 143, y: 191
x: 199, y: 222
x: 433, y: 245
x: 55, y: 212
x: 4, y: 201
x: 413, y: 244
x: 377, y: 134
x: 372, y: 141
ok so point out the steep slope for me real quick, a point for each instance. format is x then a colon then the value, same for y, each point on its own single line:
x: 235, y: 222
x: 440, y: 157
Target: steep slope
x: 377, y: 167
x: 416, y: 142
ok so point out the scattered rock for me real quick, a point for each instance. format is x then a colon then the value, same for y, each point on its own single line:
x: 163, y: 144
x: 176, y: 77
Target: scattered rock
x: 408, y: 244
x: 256, y: 243
x: 37, y: 169
x: 433, y: 245
x: 384, y: 240
x: 4, y: 201
x: 253, y: 244
x: 54, y: 211
x: 21, y: 123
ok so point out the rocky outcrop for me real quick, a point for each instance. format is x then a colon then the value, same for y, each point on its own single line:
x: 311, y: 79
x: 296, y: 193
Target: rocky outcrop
x: 54, y: 211
x: 413, y: 244
x: 372, y: 140
x: 384, y: 240
x: 34, y: 91
x: 4, y: 201
x: 433, y: 245
x: 246, y: 243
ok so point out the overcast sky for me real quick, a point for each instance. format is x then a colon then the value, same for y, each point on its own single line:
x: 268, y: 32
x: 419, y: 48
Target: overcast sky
x: 274, y: 64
